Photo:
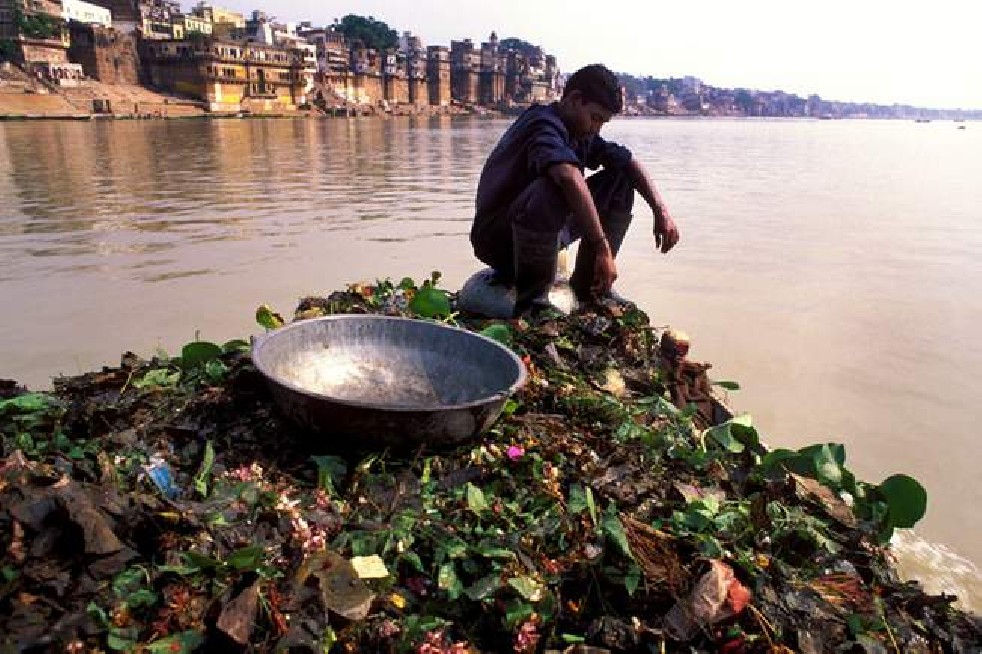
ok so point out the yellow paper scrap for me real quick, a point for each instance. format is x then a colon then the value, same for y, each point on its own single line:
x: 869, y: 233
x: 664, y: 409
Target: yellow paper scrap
x: 370, y: 567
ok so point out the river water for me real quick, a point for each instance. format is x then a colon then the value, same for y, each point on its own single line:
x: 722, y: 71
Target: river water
x: 833, y: 268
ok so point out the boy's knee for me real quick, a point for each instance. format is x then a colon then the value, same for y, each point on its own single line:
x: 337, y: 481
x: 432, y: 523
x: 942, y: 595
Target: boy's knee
x: 541, y: 207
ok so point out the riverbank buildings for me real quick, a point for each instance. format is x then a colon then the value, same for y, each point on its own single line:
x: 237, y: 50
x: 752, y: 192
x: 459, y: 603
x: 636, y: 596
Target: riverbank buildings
x: 230, y: 62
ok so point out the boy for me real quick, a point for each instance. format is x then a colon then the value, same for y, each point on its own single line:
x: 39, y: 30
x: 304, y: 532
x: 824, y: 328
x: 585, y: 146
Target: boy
x: 532, y: 197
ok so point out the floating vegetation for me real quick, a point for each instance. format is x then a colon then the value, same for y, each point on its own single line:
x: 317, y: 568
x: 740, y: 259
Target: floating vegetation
x: 166, y: 506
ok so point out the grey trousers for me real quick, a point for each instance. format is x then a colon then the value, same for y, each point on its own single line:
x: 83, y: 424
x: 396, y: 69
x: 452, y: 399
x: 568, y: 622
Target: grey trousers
x: 541, y: 207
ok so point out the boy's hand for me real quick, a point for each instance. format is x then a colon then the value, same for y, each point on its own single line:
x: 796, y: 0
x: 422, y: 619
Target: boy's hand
x: 665, y: 231
x: 604, y: 271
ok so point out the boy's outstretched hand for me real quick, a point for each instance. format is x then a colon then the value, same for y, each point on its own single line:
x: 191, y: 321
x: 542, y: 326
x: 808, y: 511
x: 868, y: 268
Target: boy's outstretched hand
x: 665, y: 231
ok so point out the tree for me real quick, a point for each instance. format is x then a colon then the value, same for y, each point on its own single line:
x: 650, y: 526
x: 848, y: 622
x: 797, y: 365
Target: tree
x: 373, y: 33
x: 513, y: 43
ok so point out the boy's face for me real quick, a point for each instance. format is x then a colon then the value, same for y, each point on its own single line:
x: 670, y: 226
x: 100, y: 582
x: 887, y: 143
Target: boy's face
x: 586, y: 118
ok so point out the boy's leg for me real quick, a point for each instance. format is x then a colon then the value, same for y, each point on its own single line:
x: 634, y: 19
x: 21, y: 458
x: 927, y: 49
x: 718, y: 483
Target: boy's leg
x: 613, y: 195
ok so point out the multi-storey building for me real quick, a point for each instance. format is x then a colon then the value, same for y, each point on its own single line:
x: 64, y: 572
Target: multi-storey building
x: 228, y: 75
x: 104, y: 53
x: 85, y: 12
x: 183, y: 25
x: 36, y: 31
x: 416, y: 68
x: 465, y: 67
x: 492, y: 87
x: 438, y: 75
x: 395, y: 80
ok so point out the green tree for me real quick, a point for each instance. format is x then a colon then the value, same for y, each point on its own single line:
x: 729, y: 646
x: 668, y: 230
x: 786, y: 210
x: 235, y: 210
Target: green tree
x: 7, y: 49
x: 373, y: 33
x: 513, y: 43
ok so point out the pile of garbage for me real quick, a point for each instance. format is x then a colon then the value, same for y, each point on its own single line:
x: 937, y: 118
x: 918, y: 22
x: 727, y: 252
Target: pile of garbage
x: 165, y: 505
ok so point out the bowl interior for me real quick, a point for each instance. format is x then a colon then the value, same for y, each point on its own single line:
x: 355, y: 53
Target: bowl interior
x: 388, y: 362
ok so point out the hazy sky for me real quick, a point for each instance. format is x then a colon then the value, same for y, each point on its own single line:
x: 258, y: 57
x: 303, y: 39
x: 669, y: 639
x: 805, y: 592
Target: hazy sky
x: 920, y: 53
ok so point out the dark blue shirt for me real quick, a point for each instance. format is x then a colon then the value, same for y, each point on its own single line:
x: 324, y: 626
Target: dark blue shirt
x: 537, y: 140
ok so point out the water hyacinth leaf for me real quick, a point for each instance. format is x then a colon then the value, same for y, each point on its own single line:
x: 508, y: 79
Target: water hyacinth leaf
x: 330, y: 469
x: 246, y: 558
x: 448, y: 580
x: 615, y: 531
x: 28, y: 403
x: 475, y: 499
x: 498, y: 332
x: 725, y: 438
x: 198, y: 353
x: 430, y: 302
x: 528, y: 588
x: 906, y: 499
x: 216, y: 371
x: 592, y: 505
x: 204, y: 470
x: 828, y: 470
x: 406, y: 284
x: 268, y: 318
x: 577, y: 499
x: 159, y: 377
x: 186, y: 641
x: 235, y: 345
x: 495, y: 553
x: 483, y: 588
x: 632, y: 579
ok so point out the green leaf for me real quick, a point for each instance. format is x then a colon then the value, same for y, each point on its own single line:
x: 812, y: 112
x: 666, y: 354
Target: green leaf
x: 142, y: 597
x: 198, y: 353
x: 330, y: 469
x: 186, y: 641
x: 498, y: 332
x: 475, y: 499
x: 728, y: 385
x: 216, y: 371
x: 632, y: 579
x: 28, y: 403
x: 235, y: 345
x: 528, y: 588
x: 592, y: 505
x: 495, y: 553
x: 577, y: 499
x: 723, y: 436
x: 906, y: 499
x: 268, y: 318
x: 119, y: 641
x: 572, y: 639
x: 204, y: 470
x: 246, y: 558
x: 615, y: 531
x: 159, y: 377
x: 448, y: 580
x: 430, y: 302
x: 483, y: 587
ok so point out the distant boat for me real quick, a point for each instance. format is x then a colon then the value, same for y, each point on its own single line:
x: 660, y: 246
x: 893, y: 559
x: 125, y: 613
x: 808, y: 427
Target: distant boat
x: 961, y: 127
x: 922, y: 120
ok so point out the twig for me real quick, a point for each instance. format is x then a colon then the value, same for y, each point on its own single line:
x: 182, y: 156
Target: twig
x: 764, y: 623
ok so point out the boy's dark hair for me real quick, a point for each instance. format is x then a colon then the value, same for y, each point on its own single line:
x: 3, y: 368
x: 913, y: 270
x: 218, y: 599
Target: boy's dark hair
x: 597, y: 84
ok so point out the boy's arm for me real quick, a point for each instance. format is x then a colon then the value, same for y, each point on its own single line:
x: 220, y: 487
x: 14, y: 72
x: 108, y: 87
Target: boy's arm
x: 570, y: 180
x: 664, y: 229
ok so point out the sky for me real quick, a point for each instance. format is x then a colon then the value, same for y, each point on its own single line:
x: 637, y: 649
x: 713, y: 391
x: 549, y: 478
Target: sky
x: 927, y: 54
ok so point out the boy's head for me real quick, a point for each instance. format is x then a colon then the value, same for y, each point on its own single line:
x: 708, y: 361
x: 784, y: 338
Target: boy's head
x: 590, y: 98
x: 596, y: 84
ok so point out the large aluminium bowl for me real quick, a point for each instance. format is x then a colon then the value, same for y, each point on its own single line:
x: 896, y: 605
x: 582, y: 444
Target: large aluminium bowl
x: 380, y: 381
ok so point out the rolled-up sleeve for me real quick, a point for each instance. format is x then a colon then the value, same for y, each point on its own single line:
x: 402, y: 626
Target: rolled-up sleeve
x: 606, y: 154
x: 547, y: 147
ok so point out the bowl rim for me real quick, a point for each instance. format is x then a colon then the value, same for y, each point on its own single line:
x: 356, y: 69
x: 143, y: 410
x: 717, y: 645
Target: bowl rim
x: 260, y: 341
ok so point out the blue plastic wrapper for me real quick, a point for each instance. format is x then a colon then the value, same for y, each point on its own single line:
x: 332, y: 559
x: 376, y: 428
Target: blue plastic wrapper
x: 160, y: 474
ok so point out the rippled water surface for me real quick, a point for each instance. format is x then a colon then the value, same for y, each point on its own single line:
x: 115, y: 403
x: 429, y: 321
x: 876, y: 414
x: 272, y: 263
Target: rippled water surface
x: 834, y: 268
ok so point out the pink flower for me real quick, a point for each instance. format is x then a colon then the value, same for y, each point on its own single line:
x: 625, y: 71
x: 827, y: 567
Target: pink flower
x: 514, y: 452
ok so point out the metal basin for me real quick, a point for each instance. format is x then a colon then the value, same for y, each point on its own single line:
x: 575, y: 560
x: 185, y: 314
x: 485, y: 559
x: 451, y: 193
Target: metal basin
x: 381, y: 381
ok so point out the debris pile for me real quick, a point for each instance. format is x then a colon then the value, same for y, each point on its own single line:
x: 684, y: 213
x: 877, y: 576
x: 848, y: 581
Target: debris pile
x: 165, y: 506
